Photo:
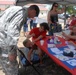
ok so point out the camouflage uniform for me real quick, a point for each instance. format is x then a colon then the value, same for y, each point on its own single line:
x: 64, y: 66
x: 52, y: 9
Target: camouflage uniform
x: 11, y: 22
x: 9, y: 67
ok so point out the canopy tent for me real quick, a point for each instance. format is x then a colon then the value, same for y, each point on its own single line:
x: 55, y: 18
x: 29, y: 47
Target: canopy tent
x: 63, y: 2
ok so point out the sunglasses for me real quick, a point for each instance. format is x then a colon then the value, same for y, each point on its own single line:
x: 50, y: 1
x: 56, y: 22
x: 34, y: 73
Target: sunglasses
x: 55, y: 6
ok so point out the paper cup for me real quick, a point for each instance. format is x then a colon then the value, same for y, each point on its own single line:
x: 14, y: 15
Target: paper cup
x: 41, y: 42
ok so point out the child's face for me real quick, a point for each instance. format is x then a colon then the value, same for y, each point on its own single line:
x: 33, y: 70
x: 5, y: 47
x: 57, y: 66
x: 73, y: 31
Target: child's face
x: 74, y: 30
x: 29, y: 44
x: 41, y: 28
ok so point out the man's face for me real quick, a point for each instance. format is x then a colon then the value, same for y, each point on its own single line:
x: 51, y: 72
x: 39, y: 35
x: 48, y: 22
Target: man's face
x: 29, y: 44
x: 31, y: 13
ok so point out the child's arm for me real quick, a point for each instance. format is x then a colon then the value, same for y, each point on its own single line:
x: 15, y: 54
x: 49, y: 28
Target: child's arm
x: 69, y: 36
x: 66, y: 36
x: 71, y: 42
x: 72, y: 36
x: 29, y: 36
x: 29, y: 55
x: 37, y: 38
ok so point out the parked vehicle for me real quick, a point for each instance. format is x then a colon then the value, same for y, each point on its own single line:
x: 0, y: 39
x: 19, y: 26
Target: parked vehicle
x: 63, y: 16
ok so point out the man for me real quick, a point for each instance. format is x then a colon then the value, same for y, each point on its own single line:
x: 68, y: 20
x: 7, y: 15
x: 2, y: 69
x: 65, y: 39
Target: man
x: 11, y: 22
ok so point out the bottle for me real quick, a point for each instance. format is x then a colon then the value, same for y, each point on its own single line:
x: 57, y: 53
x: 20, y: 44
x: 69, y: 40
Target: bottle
x: 55, y: 39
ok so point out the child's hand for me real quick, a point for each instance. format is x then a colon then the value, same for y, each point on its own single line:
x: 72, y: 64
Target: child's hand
x: 71, y: 42
x: 64, y: 34
x: 33, y: 42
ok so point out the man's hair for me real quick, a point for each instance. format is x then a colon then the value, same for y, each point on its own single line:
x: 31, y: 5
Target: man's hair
x: 25, y: 42
x: 36, y: 8
x: 45, y: 25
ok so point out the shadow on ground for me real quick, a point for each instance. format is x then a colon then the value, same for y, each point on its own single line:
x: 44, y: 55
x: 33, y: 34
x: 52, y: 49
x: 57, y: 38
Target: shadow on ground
x: 50, y: 68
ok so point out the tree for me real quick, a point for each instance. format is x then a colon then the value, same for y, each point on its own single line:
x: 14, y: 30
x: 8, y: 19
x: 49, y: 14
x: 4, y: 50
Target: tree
x: 71, y: 10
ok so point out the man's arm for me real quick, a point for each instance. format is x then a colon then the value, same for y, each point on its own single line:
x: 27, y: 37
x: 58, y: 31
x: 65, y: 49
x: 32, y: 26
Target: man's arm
x: 14, y: 27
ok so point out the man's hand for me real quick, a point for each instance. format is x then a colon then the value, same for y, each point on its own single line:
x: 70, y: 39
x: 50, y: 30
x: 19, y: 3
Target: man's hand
x: 12, y: 57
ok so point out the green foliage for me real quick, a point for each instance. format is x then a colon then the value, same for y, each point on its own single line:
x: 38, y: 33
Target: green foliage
x: 71, y: 10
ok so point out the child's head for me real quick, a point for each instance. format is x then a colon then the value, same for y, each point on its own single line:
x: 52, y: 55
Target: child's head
x: 72, y: 16
x: 72, y: 24
x: 27, y: 43
x: 44, y: 27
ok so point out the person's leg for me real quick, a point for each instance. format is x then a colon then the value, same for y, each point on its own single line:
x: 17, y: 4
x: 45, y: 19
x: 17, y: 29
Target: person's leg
x: 10, y: 66
x: 50, y: 32
x: 40, y: 53
x: 34, y: 25
x: 25, y: 28
x: 31, y: 24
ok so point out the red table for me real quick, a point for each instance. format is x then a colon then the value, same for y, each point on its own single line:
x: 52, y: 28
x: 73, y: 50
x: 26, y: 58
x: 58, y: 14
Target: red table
x: 56, y: 60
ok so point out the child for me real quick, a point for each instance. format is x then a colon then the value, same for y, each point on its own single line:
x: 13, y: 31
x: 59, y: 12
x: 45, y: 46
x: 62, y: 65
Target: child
x: 38, y: 33
x: 72, y: 24
x: 71, y: 37
x: 27, y: 43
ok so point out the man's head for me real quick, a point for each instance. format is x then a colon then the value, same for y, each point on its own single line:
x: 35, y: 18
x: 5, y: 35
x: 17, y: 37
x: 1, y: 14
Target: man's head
x: 27, y: 43
x: 33, y: 11
x: 44, y: 27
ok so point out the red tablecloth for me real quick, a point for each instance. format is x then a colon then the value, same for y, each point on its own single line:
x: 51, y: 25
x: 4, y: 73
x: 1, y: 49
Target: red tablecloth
x: 56, y: 60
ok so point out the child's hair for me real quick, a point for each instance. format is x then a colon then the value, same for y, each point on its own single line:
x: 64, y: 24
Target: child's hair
x: 45, y: 25
x: 25, y: 42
